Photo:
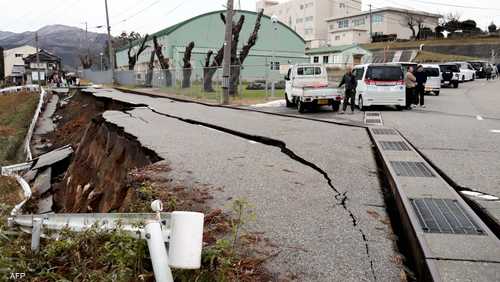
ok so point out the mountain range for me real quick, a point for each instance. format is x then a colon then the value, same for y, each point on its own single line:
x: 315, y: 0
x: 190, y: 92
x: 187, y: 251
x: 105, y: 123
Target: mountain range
x: 67, y: 42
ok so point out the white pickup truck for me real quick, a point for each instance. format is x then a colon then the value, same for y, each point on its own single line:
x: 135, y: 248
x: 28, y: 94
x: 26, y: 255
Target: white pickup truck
x: 307, y: 86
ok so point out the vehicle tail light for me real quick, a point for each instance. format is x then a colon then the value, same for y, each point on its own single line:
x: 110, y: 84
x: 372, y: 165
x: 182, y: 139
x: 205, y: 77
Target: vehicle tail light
x: 370, y: 82
x: 400, y: 82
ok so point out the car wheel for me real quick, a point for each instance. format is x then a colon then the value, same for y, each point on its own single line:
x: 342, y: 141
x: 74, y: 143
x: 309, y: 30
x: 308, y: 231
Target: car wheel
x: 301, y: 106
x: 455, y: 85
x: 473, y: 77
x: 335, y: 106
x: 436, y: 93
x: 360, y: 104
x: 289, y: 103
x: 463, y: 78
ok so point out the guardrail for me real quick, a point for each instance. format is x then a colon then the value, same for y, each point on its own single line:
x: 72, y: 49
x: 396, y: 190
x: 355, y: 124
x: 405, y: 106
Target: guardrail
x: 29, y: 134
x: 14, y: 89
x: 182, y: 230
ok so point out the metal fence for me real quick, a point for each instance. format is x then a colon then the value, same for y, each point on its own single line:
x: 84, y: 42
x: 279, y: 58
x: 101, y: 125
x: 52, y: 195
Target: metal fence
x: 250, y: 82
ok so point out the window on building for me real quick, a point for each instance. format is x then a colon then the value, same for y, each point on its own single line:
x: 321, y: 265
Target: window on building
x: 315, y: 59
x: 310, y: 4
x: 325, y: 59
x: 298, y: 20
x: 378, y: 18
x: 309, y: 19
x: 337, y: 37
x: 342, y: 5
x: 302, y: 7
x: 358, y: 22
x: 343, y: 23
x: 308, y: 31
x: 275, y: 65
x: 18, y: 55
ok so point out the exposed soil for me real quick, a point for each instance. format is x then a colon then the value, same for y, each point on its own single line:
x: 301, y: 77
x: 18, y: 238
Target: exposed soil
x: 94, y: 180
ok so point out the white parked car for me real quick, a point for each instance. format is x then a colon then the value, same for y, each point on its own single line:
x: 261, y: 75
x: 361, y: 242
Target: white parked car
x: 467, y: 72
x: 307, y: 85
x: 380, y: 84
x: 433, y: 83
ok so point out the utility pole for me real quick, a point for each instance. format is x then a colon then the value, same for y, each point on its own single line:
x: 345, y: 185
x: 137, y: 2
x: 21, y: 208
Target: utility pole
x: 226, y: 71
x: 110, y: 48
x: 371, y: 31
x: 37, y: 60
x: 87, y: 40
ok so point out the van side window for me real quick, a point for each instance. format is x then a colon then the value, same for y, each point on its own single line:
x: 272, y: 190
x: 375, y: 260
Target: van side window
x: 300, y: 71
x: 309, y: 71
x: 358, y: 73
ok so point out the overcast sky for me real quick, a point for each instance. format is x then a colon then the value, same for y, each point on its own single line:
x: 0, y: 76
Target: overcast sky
x: 147, y: 16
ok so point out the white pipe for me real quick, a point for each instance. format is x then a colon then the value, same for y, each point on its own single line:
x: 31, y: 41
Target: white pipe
x: 186, y: 239
x: 158, y: 252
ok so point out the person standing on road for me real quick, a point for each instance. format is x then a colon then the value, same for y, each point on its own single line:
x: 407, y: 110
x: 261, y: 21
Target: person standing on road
x: 488, y: 72
x: 410, y: 80
x: 421, y: 78
x: 350, y: 83
x: 498, y: 71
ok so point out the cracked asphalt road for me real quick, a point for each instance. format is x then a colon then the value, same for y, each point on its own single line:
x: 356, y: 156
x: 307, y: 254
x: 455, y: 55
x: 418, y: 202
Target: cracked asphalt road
x: 455, y: 131
x: 295, y: 206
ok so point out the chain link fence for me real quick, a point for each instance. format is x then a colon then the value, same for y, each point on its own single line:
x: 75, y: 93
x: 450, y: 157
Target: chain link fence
x: 248, y: 83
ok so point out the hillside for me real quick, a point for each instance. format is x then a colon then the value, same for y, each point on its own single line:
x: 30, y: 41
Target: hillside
x: 65, y: 41
x: 479, y: 47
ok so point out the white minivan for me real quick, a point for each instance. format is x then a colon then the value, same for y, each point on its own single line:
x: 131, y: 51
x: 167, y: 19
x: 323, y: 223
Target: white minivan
x: 433, y: 83
x: 380, y: 84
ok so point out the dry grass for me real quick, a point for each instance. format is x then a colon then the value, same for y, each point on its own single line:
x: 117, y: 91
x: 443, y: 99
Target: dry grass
x: 16, y: 112
x: 425, y: 56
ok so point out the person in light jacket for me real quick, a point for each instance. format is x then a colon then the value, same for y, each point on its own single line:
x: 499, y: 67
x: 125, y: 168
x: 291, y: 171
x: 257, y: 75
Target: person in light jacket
x: 410, y: 80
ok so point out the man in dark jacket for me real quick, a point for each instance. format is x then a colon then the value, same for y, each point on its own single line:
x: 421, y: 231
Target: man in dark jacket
x: 421, y: 77
x: 350, y: 83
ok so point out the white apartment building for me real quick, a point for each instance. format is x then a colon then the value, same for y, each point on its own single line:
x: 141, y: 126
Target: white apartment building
x: 307, y: 17
x: 13, y: 60
x: 355, y: 28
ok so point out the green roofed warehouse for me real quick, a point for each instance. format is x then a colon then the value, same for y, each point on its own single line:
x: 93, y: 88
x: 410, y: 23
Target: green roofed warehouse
x: 276, y: 43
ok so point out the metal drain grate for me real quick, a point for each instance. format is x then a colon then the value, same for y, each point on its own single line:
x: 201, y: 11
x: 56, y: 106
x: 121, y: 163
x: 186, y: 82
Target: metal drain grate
x: 372, y: 114
x: 444, y: 216
x: 383, y: 131
x: 372, y: 120
x: 394, y: 146
x: 413, y: 169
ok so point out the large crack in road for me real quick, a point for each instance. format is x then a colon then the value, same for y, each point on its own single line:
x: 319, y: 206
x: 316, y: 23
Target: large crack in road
x: 341, y: 197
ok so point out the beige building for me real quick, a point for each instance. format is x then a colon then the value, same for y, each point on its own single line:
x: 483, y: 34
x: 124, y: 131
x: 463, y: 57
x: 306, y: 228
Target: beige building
x: 355, y: 28
x: 307, y: 17
x: 13, y: 61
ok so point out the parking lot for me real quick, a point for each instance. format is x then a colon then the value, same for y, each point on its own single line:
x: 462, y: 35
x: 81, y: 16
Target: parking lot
x: 459, y: 131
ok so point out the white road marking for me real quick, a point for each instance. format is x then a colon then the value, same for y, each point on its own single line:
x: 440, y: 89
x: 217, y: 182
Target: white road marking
x: 495, y: 131
x: 478, y: 117
x: 489, y: 197
x: 253, y: 142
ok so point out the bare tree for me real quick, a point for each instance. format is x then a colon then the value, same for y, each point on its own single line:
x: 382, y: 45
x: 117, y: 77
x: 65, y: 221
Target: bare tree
x: 149, y: 73
x: 415, y: 23
x: 132, y: 59
x: 236, y: 60
x: 187, y: 67
x: 86, y: 61
x: 164, y: 62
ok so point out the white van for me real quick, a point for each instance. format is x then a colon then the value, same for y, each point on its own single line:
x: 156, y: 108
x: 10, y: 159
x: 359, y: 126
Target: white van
x: 467, y: 72
x: 433, y: 83
x: 380, y: 84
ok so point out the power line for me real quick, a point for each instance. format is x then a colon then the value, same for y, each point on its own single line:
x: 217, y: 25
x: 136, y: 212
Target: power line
x: 137, y: 13
x: 456, y: 6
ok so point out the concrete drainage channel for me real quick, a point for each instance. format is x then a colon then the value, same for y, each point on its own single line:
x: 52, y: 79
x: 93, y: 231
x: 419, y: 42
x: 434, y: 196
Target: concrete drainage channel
x: 434, y: 217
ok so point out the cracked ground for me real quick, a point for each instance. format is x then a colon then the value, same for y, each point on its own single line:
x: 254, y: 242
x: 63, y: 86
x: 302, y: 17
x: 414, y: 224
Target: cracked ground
x: 314, y: 186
